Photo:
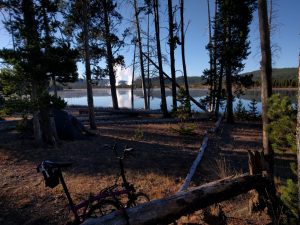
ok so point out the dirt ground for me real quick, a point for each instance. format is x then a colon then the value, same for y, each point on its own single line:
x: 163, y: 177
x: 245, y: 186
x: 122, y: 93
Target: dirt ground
x: 161, y: 161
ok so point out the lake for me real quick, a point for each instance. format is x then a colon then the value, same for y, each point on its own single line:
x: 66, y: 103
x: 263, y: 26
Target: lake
x: 102, y: 97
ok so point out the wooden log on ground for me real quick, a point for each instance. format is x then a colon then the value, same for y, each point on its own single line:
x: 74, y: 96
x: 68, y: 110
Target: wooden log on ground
x: 193, y: 168
x: 169, y: 209
x: 199, y: 157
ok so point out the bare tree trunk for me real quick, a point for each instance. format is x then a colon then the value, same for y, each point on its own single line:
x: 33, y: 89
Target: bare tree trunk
x: 215, y: 78
x: 54, y: 85
x: 211, y: 74
x: 159, y: 57
x: 88, y: 73
x: 183, y: 51
x: 37, y: 132
x: 219, y: 91
x: 109, y: 58
x: 132, y: 79
x: 148, y: 62
x: 266, y: 79
x: 298, y: 142
x: 229, y: 105
x: 172, y: 54
x: 139, y: 39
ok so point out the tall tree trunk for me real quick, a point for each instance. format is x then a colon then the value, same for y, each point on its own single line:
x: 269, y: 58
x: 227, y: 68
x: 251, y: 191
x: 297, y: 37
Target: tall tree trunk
x: 211, y: 73
x: 298, y: 141
x: 132, y: 78
x: 183, y: 52
x: 88, y: 73
x: 229, y: 105
x: 266, y: 79
x: 37, y: 132
x: 228, y: 71
x: 109, y: 58
x: 139, y: 39
x: 219, y: 91
x: 215, y: 78
x: 54, y: 85
x: 148, y: 61
x: 159, y: 57
x: 172, y: 56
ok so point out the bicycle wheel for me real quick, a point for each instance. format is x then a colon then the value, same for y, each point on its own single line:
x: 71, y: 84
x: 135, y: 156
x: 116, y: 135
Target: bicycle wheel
x: 140, y: 198
x: 103, y: 208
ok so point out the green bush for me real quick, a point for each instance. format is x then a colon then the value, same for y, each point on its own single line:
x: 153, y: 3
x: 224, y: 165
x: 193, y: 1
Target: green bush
x: 282, y: 126
x: 240, y: 111
x: 282, y: 134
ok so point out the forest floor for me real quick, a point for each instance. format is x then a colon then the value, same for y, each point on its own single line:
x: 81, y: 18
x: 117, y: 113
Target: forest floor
x: 162, y: 160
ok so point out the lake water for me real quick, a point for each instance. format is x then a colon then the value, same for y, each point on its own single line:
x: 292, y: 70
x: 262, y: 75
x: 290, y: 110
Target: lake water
x: 102, y: 97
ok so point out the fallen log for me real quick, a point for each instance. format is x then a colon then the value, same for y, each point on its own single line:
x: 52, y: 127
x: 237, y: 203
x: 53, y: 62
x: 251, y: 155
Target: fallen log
x: 169, y: 209
x: 198, y: 159
x: 193, y: 168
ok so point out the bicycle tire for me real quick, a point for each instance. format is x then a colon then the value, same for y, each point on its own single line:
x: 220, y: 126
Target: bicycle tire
x: 103, y: 208
x: 140, y: 198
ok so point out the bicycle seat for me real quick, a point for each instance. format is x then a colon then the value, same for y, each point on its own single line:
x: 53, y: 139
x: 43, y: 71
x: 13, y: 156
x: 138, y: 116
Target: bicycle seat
x: 57, y: 164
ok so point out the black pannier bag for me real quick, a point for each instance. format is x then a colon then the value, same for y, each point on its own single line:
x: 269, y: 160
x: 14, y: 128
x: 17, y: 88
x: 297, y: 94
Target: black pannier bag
x: 51, y: 175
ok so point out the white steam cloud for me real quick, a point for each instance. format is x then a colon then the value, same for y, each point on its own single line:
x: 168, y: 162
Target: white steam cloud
x: 123, y: 75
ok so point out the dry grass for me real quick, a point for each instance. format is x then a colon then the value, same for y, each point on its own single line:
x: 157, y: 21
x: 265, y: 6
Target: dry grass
x: 162, y: 159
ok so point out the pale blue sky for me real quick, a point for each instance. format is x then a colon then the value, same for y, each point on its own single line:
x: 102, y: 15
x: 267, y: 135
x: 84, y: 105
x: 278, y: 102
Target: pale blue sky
x: 286, y: 37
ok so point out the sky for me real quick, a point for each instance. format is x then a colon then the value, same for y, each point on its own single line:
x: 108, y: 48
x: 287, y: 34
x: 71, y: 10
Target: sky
x: 285, y: 39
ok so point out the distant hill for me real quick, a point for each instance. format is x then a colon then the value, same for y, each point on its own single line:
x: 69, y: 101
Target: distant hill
x: 278, y: 74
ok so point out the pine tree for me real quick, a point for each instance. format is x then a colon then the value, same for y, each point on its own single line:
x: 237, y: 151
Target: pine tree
x: 31, y: 61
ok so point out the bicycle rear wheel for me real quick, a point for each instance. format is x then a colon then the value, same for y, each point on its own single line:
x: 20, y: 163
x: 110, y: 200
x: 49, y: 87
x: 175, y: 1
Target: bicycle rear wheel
x: 140, y: 198
x: 103, y: 208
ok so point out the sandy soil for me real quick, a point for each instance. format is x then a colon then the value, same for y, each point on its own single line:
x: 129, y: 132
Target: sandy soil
x: 162, y: 160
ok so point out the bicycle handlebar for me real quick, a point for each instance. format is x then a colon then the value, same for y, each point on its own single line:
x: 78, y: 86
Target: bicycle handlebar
x: 125, y: 153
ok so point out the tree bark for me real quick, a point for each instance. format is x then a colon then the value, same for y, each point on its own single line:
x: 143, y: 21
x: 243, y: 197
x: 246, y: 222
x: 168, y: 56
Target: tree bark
x: 172, y: 54
x: 215, y: 77
x: 219, y: 91
x: 167, y: 210
x: 148, y: 62
x: 298, y: 141
x: 138, y: 29
x: 132, y: 79
x: 183, y: 51
x: 229, y: 105
x: 211, y: 73
x: 266, y: 79
x: 159, y: 57
x: 88, y: 73
x: 109, y: 58
x: 37, y: 132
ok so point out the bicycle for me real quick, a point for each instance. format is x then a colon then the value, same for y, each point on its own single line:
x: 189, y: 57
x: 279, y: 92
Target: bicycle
x: 133, y: 198
x: 52, y: 172
x: 108, y: 199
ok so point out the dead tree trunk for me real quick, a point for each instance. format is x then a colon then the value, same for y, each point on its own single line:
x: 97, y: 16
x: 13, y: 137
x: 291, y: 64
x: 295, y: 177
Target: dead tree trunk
x: 187, y: 92
x: 169, y: 209
x: 172, y: 54
x: 88, y: 73
x: 132, y: 78
x: 211, y: 74
x: 266, y: 79
x: 139, y: 40
x: 110, y: 58
x: 159, y: 57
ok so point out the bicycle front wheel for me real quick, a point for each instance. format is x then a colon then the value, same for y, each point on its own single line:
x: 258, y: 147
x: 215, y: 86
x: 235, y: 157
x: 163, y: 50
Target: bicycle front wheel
x: 140, y: 198
x: 103, y: 208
